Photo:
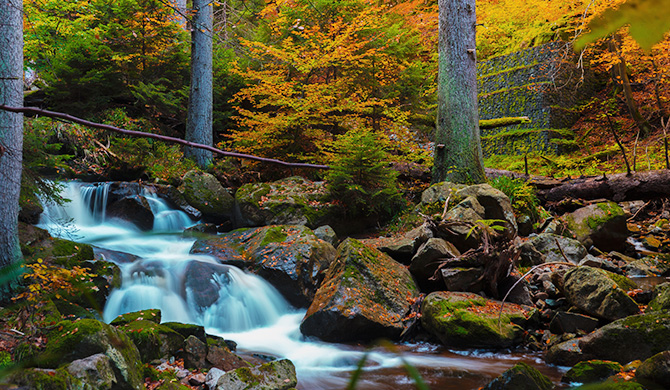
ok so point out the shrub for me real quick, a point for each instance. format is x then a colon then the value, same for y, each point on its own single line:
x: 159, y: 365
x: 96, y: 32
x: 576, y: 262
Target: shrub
x: 521, y: 194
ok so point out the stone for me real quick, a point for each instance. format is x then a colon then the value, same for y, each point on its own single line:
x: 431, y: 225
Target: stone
x: 40, y: 378
x: 656, y: 369
x: 213, y: 377
x: 599, y: 262
x: 154, y: 341
x: 440, y: 192
x: 202, y: 283
x: 204, y: 192
x: 566, y: 322
x: 592, y: 291
x: 275, y: 375
x: 602, y: 225
x: 405, y: 246
x: 220, y: 356
x: 467, y: 320
x: 427, y: 259
x: 95, y: 370
x: 365, y: 296
x: 495, y: 203
x: 153, y: 315
x: 661, y: 299
x: 195, y: 353
x: 543, y: 248
x: 520, y: 377
x: 463, y: 279
x: 134, y: 209
x: 592, y: 371
x: 327, y: 234
x: 186, y: 330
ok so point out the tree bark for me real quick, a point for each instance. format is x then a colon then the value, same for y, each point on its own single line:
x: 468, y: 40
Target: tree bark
x: 11, y: 130
x: 199, y: 122
x: 458, y: 152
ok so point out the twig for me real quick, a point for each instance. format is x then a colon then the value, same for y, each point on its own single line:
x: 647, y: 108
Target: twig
x: 616, y: 138
x: 638, y: 211
x: 446, y: 206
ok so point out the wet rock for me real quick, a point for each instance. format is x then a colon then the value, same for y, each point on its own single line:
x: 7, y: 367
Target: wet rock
x: 364, y: 296
x: 602, y: 224
x: 463, y: 279
x: 632, y: 338
x: 599, y: 262
x: 291, y: 258
x: 195, y: 353
x: 290, y: 201
x: 566, y: 322
x: 466, y: 320
x: 592, y: 371
x: 39, y: 378
x: 95, y: 370
x: 427, y: 259
x: 648, y: 266
x: 30, y: 208
x: 495, y: 203
x: 404, y: 247
x: 153, y: 315
x: 327, y: 234
x: 661, y: 300
x: 187, y: 330
x: 520, y: 377
x: 592, y: 291
x: 204, y: 192
x: 202, y: 283
x: 177, y: 200
x: 200, y: 229
x: 656, y: 369
x: 543, y: 248
x: 134, y: 209
x: 275, y: 375
x: 213, y: 377
x: 154, y: 341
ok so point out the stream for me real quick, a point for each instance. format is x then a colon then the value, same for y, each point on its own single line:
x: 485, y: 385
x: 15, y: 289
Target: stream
x: 248, y: 310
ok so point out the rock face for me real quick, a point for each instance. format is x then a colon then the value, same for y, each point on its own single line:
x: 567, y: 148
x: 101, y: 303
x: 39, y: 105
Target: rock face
x: 204, y: 192
x: 364, y: 296
x: 426, y: 260
x: 520, y: 377
x: 656, y: 369
x: 543, y: 249
x: 291, y: 201
x: 276, y: 375
x: 135, y: 209
x: 291, y: 258
x: 601, y: 224
x: 592, y: 291
x: 632, y: 338
x: 466, y: 320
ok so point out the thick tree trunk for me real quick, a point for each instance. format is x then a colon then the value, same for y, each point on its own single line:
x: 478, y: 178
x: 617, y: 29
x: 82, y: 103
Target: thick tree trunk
x: 458, y: 152
x: 199, y: 123
x: 11, y: 129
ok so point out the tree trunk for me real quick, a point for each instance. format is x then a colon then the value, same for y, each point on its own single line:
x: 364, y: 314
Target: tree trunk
x: 458, y: 151
x: 199, y: 122
x: 11, y: 129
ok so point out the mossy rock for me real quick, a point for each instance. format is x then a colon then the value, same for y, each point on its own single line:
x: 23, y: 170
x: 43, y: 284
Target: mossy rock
x: 592, y: 371
x: 173, y: 386
x: 612, y: 384
x: 153, y: 315
x: 520, y: 377
x: 72, y: 311
x: 44, y: 379
x: 365, y: 295
x: 656, y: 370
x: 467, y: 320
x: 204, y: 192
x: 188, y: 330
x: 602, y: 224
x: 275, y: 375
x: 154, y: 341
x: 661, y: 300
x: 69, y: 253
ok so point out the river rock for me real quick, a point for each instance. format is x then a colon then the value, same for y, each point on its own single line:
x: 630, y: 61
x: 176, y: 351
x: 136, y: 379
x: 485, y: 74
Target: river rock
x: 440, y: 192
x: 290, y: 201
x: 427, y: 259
x: 364, y: 296
x: 567, y: 322
x: 542, y: 248
x: 403, y: 248
x: 134, y: 209
x: 176, y: 199
x: 204, y: 192
x: 291, y: 258
x: 661, y: 300
x: 219, y: 355
x: 40, y: 378
x: 520, y: 377
x: 275, y: 375
x: 467, y: 320
x: 648, y: 266
x: 656, y: 369
x: 327, y: 234
x: 592, y: 291
x: 74, y: 340
x: 632, y: 338
x: 95, y: 370
x: 601, y: 224
x: 202, y: 283
x: 154, y: 341
x: 592, y: 371
x: 495, y: 203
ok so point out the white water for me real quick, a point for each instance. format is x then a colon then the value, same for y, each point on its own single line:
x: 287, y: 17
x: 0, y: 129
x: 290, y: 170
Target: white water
x: 247, y: 309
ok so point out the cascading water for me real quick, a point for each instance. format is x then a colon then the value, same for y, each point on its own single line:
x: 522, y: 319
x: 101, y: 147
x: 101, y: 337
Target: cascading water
x: 240, y: 306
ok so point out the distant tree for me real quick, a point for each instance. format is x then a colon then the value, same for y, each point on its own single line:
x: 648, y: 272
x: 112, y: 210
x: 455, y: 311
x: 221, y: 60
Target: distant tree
x: 11, y: 130
x: 458, y: 152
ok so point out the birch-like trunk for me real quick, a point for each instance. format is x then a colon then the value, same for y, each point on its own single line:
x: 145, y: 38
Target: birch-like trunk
x: 458, y: 151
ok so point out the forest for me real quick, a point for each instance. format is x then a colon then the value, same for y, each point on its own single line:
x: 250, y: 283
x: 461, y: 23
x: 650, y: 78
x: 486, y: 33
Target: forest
x: 334, y: 194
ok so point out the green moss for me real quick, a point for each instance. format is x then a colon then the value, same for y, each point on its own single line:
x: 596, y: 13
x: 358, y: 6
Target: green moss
x: 37, y: 379
x: 592, y: 371
x: 154, y: 341
x: 612, y: 385
x: 274, y: 234
x: 153, y: 315
x: 621, y: 281
x: 69, y: 253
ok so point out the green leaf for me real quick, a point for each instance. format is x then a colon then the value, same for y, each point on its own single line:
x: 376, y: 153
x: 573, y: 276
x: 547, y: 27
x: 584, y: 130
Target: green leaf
x: 648, y: 22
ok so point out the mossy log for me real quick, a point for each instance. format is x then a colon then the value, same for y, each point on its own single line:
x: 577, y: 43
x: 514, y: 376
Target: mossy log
x: 502, y: 122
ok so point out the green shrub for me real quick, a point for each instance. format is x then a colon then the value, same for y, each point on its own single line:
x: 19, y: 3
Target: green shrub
x: 521, y: 194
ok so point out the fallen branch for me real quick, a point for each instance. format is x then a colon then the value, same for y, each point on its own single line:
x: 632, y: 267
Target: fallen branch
x: 502, y: 122
x: 74, y: 119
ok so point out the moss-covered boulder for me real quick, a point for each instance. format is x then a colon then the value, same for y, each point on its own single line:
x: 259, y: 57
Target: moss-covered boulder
x: 661, y: 300
x: 74, y: 340
x: 291, y: 201
x: 154, y: 341
x: 275, y: 375
x: 96, y: 371
x: 613, y: 384
x: 656, y: 370
x: 44, y: 379
x: 520, y: 377
x: 594, y: 292
x: 153, y: 315
x: 204, y: 192
x: 467, y: 320
x: 601, y: 224
x: 290, y: 257
x: 365, y: 296
x: 592, y: 371
x: 547, y: 248
x: 632, y: 338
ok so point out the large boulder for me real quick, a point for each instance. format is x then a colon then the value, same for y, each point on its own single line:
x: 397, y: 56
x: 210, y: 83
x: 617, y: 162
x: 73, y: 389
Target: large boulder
x: 291, y: 258
x: 95, y: 370
x: 290, y: 201
x: 134, y: 209
x: 74, y: 340
x: 520, y: 377
x: 275, y: 375
x: 592, y: 371
x: 201, y: 283
x: 661, y: 299
x: 602, y: 225
x: 425, y: 262
x: 204, y: 192
x: 632, y: 338
x: 365, y: 296
x: 547, y: 248
x: 594, y: 292
x: 656, y: 370
x: 467, y: 320
x: 154, y: 341
x: 403, y: 247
